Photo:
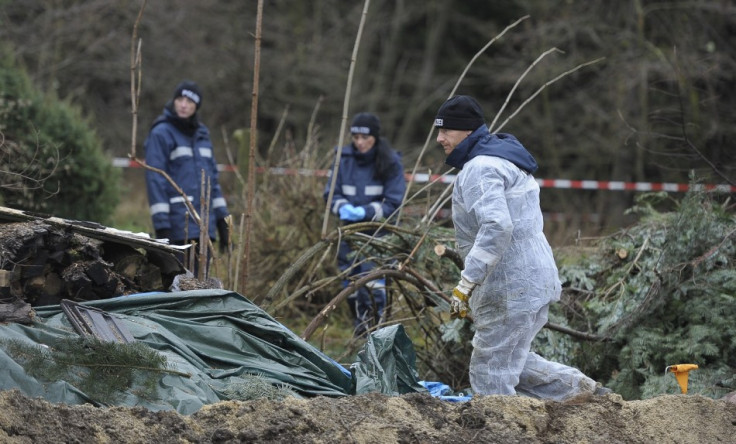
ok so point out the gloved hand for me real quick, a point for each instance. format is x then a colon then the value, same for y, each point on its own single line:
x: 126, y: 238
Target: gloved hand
x: 351, y: 213
x: 163, y: 233
x: 223, y: 233
x: 460, y: 296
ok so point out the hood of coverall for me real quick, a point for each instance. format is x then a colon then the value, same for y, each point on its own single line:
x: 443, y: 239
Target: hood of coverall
x: 482, y: 142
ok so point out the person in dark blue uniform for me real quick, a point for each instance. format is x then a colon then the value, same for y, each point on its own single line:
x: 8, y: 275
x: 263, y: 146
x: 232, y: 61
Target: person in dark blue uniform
x: 370, y: 186
x: 179, y: 144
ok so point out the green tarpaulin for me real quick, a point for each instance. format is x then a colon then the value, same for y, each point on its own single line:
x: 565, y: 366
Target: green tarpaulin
x: 218, y: 338
x: 215, y: 336
x: 387, y: 364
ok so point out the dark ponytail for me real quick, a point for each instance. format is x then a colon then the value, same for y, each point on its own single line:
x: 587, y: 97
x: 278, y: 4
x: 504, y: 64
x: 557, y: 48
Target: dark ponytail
x: 386, y: 164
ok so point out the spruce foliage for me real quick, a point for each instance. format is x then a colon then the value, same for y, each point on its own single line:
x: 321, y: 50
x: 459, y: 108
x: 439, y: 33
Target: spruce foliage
x: 104, y: 371
x: 258, y: 387
x: 660, y: 293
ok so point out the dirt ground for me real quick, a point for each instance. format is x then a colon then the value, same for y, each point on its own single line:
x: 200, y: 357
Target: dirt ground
x: 415, y: 418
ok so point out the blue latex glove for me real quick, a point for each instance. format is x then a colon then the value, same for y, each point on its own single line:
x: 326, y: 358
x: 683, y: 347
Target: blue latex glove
x: 351, y: 213
x: 345, y: 211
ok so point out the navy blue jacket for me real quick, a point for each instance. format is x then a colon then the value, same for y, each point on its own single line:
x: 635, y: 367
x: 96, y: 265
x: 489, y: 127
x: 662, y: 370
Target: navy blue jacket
x: 358, y: 185
x: 482, y: 143
x: 183, y: 158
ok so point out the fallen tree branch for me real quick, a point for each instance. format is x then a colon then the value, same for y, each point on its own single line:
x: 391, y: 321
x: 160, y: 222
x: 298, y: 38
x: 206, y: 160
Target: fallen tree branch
x: 576, y: 334
x: 376, y: 274
x: 442, y: 250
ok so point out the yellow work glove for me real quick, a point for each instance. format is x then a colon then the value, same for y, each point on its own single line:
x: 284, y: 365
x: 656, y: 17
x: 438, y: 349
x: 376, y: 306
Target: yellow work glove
x: 460, y: 297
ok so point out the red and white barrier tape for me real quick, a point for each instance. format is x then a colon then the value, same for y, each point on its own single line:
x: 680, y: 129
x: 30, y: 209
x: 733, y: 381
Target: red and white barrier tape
x: 122, y: 162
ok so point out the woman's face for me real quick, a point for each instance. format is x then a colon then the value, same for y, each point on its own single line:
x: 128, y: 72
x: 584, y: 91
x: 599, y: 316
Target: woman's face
x: 184, y: 107
x: 363, y: 142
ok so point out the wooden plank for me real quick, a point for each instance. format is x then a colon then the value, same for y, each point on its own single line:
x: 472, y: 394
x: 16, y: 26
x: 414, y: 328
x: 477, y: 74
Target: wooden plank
x: 5, y: 278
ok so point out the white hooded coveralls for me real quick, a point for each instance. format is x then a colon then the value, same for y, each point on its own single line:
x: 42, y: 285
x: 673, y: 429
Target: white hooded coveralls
x: 498, y: 224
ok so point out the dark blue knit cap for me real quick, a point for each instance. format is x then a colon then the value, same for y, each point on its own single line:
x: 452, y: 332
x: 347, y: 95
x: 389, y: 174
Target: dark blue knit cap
x: 460, y: 113
x: 366, y: 123
x: 189, y: 90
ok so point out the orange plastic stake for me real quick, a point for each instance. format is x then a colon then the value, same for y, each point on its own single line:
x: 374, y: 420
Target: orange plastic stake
x: 681, y: 371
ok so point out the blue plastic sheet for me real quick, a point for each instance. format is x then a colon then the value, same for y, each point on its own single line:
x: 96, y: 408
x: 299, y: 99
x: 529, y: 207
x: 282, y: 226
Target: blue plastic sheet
x: 444, y: 392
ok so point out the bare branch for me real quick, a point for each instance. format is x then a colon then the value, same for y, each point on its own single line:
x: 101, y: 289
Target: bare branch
x: 18, y: 172
x: 136, y: 67
x: 457, y: 84
x: 541, y: 88
x: 332, y: 305
x: 245, y: 274
x: 345, y: 107
x: 518, y: 81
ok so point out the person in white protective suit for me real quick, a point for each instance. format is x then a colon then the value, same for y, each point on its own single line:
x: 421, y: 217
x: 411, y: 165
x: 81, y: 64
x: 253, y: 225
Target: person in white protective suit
x: 509, y: 276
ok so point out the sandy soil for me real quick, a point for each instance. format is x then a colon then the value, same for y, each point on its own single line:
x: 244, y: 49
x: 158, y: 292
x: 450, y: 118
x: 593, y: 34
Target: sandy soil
x: 377, y: 418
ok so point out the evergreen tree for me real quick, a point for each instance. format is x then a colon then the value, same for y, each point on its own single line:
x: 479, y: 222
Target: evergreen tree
x: 657, y: 294
x: 51, y: 161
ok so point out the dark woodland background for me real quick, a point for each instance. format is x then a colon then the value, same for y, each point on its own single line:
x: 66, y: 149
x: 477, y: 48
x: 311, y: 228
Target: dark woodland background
x: 657, y: 105
x: 628, y: 90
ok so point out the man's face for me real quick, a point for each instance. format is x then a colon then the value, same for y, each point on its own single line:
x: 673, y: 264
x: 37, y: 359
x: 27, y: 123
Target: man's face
x: 450, y: 138
x: 363, y: 142
x: 184, y: 107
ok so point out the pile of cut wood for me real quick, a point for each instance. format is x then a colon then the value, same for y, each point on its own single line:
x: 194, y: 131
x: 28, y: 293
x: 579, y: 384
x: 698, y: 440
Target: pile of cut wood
x: 44, y: 260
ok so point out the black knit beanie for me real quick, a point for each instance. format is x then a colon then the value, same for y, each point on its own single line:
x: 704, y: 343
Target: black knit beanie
x: 459, y: 113
x: 189, y: 90
x: 366, y: 123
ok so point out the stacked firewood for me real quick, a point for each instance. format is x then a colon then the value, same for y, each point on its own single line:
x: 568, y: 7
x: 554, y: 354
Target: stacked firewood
x: 43, y: 263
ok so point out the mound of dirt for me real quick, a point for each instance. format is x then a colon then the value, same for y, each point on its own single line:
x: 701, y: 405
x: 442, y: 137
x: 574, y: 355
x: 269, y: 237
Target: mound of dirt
x: 374, y: 418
